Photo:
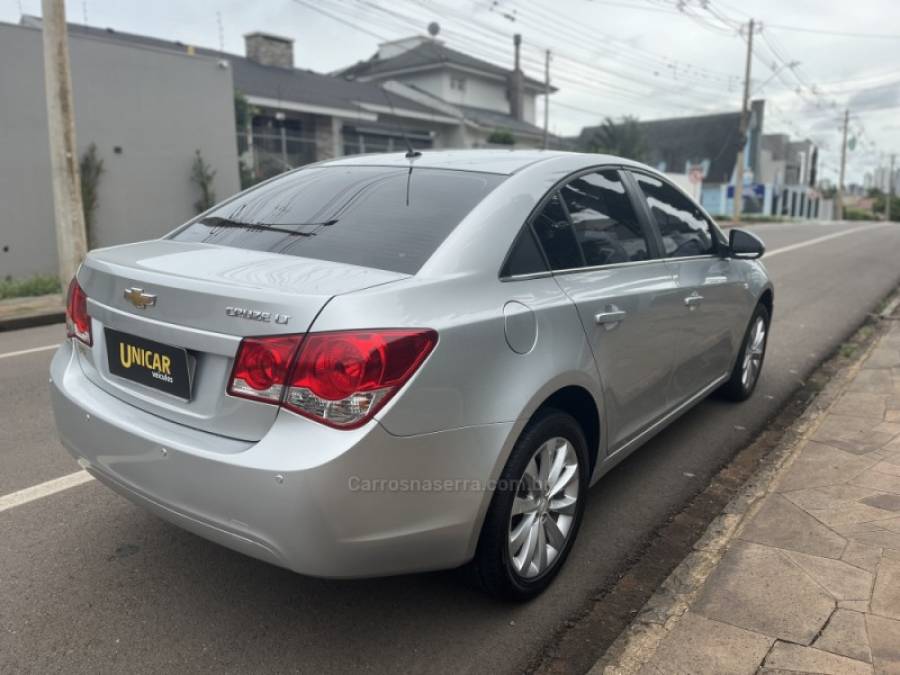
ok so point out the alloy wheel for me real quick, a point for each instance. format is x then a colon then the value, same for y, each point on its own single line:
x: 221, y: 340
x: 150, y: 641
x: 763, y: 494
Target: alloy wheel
x: 544, y: 508
x: 753, y: 356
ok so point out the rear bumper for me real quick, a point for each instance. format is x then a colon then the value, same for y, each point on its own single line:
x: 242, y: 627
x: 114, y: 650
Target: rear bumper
x: 316, y: 500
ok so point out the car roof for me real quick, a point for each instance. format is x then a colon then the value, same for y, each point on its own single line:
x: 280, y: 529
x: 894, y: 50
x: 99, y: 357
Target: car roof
x: 489, y: 161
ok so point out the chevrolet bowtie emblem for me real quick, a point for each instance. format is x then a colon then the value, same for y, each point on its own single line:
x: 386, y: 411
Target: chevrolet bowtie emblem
x: 139, y: 299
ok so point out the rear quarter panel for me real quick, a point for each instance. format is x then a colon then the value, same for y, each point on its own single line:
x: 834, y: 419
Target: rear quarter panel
x: 473, y: 376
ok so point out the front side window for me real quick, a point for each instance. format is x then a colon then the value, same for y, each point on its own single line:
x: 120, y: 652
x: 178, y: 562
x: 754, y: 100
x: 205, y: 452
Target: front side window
x: 684, y: 229
x: 557, y: 238
x: 606, y: 226
x: 389, y: 218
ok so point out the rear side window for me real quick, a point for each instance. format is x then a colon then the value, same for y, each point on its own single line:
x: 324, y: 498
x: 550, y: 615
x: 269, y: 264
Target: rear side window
x: 383, y: 217
x: 557, y: 237
x: 525, y: 256
x: 604, y: 220
x: 682, y: 225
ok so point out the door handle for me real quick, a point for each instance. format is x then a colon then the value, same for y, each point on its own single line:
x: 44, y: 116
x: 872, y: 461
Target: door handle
x: 693, y: 300
x: 613, y: 316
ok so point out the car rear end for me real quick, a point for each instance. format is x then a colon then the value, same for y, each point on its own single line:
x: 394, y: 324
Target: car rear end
x: 195, y: 382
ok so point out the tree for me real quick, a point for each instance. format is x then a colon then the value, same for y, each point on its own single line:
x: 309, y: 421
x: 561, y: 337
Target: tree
x: 202, y: 175
x: 91, y: 168
x: 624, y: 139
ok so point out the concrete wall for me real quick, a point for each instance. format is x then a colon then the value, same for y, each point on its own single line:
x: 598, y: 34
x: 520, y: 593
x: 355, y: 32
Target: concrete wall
x: 156, y: 107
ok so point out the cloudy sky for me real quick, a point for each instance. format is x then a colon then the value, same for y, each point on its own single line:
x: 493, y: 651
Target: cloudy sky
x: 647, y: 58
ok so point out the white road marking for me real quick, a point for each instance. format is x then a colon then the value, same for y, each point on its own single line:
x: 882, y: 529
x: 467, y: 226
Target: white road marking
x: 33, y: 350
x: 51, y: 487
x: 827, y: 237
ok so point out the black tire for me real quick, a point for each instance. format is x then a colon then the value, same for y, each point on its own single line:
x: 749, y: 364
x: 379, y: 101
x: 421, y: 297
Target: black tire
x: 493, y: 566
x: 737, y: 388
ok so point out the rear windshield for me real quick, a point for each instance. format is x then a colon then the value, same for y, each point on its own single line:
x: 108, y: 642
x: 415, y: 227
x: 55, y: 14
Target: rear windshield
x: 383, y: 217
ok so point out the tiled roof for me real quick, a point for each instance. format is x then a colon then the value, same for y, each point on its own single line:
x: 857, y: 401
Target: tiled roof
x: 429, y: 53
x: 680, y: 141
x: 254, y: 79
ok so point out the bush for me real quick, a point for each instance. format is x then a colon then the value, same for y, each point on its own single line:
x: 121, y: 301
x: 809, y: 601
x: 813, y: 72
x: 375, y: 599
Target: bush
x: 40, y: 284
x: 501, y: 137
x: 853, y: 213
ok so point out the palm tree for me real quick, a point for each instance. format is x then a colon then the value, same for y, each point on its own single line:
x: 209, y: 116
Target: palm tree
x: 624, y: 139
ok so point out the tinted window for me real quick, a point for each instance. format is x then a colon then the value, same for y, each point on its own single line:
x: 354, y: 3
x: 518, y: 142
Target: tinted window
x: 557, y: 238
x: 525, y: 256
x: 388, y: 218
x: 604, y: 220
x: 684, y: 228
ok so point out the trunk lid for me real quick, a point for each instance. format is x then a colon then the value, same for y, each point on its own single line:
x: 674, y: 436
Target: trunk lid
x: 200, y: 300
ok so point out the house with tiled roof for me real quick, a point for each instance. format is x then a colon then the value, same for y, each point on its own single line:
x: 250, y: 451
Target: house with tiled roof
x: 491, y: 102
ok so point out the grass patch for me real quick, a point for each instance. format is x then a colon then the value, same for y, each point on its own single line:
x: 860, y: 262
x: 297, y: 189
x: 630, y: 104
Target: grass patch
x: 40, y: 284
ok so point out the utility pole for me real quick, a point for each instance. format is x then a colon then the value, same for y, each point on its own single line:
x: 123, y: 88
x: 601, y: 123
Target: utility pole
x: 890, y: 195
x: 840, y: 192
x: 71, y: 238
x: 745, y: 122
x: 546, y: 98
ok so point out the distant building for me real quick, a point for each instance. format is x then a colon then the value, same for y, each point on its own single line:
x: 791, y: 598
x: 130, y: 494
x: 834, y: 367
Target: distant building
x: 490, y: 101
x: 702, y: 150
x: 880, y: 179
x: 295, y: 116
x: 789, y: 171
x: 706, y: 145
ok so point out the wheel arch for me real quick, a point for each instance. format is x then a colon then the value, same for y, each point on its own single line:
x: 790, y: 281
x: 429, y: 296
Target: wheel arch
x: 580, y: 404
x: 767, y: 298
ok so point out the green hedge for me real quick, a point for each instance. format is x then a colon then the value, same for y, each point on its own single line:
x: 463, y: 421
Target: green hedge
x: 40, y: 284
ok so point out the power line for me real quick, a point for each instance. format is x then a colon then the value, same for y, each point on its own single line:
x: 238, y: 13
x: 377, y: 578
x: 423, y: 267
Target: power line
x: 821, y: 31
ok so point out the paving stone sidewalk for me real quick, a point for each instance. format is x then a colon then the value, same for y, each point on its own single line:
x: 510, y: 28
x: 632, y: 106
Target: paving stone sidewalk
x: 811, y: 581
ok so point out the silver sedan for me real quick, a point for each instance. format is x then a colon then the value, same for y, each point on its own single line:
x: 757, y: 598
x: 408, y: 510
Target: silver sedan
x: 395, y: 363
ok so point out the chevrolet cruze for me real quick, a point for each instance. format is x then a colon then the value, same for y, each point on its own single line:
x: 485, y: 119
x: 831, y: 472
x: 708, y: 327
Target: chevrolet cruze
x: 395, y: 363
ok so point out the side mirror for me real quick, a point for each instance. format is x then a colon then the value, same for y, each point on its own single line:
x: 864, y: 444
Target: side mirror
x: 745, y: 245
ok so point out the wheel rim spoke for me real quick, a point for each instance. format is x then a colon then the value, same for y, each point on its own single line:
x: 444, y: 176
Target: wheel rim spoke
x: 565, y: 479
x: 522, y: 505
x: 559, y: 463
x: 518, y: 536
x: 554, y: 535
x: 530, y: 547
x: 564, y: 506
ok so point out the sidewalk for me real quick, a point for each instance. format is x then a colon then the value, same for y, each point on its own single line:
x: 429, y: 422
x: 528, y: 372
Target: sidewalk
x: 803, y: 575
x: 34, y: 311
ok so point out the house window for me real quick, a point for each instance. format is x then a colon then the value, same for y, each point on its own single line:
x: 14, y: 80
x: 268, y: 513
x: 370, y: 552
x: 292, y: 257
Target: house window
x: 458, y: 82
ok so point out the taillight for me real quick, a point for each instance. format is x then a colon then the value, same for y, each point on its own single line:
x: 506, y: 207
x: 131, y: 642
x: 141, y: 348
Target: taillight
x: 262, y: 366
x: 78, y: 323
x: 340, y: 378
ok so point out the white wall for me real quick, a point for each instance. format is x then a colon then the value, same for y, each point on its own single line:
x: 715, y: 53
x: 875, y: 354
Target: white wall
x: 480, y: 92
x: 156, y: 107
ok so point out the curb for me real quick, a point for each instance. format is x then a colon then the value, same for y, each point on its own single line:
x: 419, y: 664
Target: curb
x: 638, y: 643
x: 38, y: 310
x: 44, y: 319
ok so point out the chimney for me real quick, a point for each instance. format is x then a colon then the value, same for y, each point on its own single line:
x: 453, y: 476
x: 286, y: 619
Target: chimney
x: 269, y: 50
x: 516, y: 83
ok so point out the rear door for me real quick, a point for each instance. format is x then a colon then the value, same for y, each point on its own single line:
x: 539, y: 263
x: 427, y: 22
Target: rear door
x: 606, y: 262
x: 712, y: 294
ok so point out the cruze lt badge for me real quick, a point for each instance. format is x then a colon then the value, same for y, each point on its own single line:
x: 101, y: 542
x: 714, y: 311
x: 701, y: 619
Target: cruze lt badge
x: 257, y: 315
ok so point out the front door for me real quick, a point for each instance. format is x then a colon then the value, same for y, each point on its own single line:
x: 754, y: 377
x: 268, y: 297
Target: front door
x: 711, y: 292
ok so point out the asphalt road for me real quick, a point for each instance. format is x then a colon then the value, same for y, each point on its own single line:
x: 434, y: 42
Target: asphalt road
x: 89, y: 582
